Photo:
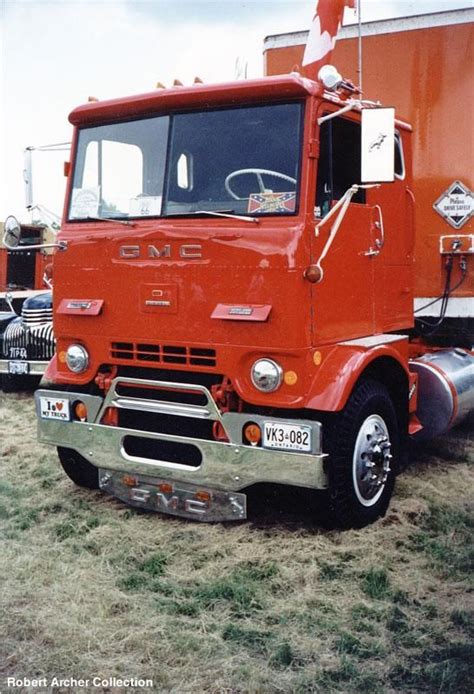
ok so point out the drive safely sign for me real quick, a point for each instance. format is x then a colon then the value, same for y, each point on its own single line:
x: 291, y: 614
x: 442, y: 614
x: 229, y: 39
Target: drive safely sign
x: 456, y: 204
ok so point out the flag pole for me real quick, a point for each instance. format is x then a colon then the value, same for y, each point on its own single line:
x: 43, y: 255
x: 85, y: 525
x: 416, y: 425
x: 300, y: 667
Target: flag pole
x: 359, y: 70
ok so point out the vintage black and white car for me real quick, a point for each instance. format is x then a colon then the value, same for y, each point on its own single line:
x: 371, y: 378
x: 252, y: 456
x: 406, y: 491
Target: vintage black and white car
x: 26, y: 342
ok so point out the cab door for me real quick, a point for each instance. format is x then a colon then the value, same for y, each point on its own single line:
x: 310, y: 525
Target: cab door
x: 343, y: 301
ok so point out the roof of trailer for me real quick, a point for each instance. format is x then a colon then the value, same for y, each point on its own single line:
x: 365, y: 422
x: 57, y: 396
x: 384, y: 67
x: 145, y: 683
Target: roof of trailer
x: 384, y: 26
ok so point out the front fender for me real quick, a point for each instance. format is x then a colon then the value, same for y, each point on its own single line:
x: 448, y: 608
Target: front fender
x: 340, y: 370
x: 49, y: 376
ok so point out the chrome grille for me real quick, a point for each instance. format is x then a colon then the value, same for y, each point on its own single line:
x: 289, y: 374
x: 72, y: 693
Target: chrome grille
x: 36, y: 316
x: 38, y: 340
x: 163, y: 354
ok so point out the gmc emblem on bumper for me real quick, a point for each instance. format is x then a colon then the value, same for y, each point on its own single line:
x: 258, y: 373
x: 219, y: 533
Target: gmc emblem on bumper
x: 178, y: 499
x: 170, y: 503
x: 187, y: 250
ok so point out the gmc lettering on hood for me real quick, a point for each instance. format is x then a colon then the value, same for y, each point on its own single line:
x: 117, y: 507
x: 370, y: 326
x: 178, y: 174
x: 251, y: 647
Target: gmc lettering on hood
x: 187, y: 251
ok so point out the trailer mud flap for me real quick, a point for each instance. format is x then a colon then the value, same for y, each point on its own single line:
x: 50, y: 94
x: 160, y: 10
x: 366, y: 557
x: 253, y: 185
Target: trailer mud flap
x: 177, y: 499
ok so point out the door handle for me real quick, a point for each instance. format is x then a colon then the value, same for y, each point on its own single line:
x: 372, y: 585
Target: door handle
x: 379, y: 242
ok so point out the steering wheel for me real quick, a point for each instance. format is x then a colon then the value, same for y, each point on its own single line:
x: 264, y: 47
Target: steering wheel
x: 258, y: 173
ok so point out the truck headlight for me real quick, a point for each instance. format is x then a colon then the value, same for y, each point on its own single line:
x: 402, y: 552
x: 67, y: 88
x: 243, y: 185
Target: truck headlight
x: 266, y: 375
x: 77, y: 358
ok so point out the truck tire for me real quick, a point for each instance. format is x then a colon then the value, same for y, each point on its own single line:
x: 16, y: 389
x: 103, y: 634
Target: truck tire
x: 78, y: 469
x: 363, y: 442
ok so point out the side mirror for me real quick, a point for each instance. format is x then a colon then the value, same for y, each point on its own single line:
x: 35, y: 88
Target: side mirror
x: 378, y: 157
x: 28, y: 177
x: 12, y: 237
x: 11, y: 233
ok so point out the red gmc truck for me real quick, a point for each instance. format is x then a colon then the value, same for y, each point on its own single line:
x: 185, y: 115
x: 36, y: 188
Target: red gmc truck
x: 233, y: 298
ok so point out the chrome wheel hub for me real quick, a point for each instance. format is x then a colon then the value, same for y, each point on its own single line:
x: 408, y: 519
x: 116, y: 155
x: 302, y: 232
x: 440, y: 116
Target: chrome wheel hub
x: 371, y: 460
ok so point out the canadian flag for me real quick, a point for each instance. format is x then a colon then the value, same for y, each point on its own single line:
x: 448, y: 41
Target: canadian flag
x: 322, y: 35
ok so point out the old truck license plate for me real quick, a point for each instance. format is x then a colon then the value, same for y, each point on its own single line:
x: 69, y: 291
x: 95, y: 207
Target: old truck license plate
x: 289, y: 437
x: 18, y: 368
x: 54, y: 408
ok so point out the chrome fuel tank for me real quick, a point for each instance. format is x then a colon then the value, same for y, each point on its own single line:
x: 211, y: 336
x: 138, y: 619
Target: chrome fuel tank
x: 445, y: 390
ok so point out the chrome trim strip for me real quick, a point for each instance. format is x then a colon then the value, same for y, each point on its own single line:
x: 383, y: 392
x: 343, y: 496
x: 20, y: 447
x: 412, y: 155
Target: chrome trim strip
x: 373, y: 340
x: 21, y: 294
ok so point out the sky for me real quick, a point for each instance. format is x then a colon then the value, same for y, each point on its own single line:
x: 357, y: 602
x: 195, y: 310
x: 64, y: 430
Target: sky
x: 54, y: 54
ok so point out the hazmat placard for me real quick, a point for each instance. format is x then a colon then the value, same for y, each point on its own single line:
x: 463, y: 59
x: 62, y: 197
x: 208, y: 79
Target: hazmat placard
x: 456, y: 204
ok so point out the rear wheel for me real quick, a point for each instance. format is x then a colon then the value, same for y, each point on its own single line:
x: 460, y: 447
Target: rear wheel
x: 363, y: 443
x: 78, y: 469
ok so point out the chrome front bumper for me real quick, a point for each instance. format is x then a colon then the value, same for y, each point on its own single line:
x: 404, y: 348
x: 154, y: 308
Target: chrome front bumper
x: 227, y: 467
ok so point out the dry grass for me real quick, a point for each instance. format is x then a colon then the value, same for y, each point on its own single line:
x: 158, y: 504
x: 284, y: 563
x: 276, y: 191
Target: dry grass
x: 275, y: 604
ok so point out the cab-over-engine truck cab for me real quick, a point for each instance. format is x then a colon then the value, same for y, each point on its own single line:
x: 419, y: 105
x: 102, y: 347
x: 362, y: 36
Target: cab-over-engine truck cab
x: 218, y: 322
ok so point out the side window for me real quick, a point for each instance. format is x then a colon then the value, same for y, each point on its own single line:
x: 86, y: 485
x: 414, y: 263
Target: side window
x: 339, y: 163
x: 184, y: 171
x: 117, y: 188
x: 399, y: 158
x: 116, y: 169
x: 90, y: 176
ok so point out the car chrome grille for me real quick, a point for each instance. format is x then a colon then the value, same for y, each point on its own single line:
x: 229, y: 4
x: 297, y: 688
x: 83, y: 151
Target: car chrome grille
x: 38, y: 340
x: 36, y: 316
x: 163, y: 354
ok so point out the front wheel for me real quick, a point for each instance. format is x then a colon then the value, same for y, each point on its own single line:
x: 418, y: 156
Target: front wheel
x: 363, y: 443
x: 78, y: 469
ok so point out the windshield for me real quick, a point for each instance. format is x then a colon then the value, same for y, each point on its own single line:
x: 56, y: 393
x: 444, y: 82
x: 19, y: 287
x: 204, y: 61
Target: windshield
x: 238, y: 160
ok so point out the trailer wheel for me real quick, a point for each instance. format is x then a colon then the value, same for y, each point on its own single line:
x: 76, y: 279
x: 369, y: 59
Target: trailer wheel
x: 363, y: 445
x: 78, y: 469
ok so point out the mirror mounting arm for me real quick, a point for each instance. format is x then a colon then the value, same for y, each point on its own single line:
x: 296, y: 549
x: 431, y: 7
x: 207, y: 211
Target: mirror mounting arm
x: 350, y: 105
x: 61, y: 245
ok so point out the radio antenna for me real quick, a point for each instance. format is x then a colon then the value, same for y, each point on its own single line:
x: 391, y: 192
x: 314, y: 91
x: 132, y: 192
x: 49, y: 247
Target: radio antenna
x: 359, y: 69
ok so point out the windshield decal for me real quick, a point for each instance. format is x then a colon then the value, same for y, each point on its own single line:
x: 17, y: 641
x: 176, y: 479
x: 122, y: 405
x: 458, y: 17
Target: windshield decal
x: 85, y: 202
x: 272, y: 202
x: 146, y: 205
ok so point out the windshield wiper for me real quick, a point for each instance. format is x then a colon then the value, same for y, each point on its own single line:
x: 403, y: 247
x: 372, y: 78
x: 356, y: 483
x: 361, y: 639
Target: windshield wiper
x: 107, y: 219
x: 229, y: 215
x: 222, y: 213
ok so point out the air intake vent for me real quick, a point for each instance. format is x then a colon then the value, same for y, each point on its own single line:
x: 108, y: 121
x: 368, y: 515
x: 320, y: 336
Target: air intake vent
x: 163, y: 354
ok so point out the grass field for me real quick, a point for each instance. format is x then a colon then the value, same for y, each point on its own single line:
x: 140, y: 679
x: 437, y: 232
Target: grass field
x: 91, y: 588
